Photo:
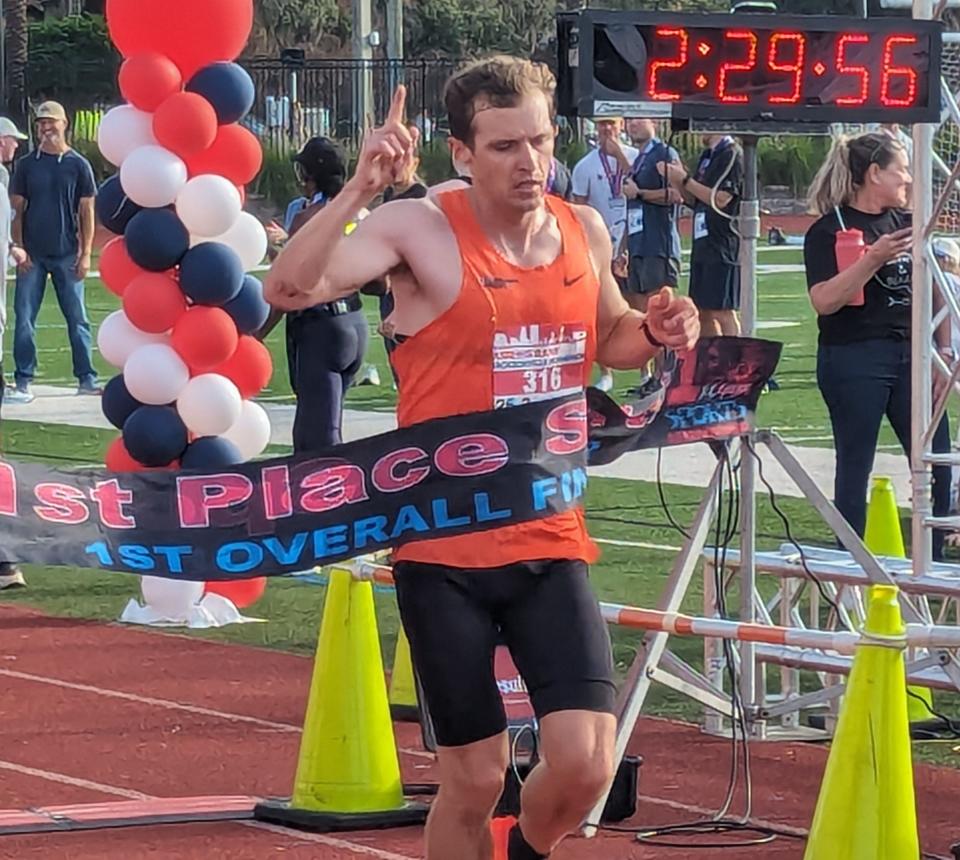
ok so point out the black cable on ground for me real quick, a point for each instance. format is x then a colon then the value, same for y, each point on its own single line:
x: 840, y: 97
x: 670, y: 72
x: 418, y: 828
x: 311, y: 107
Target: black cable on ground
x: 788, y: 531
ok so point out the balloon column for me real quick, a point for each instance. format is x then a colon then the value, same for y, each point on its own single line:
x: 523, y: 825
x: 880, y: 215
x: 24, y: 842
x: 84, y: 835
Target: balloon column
x: 183, y: 341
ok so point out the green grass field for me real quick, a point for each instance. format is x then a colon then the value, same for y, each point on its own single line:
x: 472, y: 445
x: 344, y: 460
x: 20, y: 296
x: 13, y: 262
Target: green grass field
x: 624, y: 511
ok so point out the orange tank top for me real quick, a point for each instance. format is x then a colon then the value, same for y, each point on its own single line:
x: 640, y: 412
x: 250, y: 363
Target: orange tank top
x: 513, y: 335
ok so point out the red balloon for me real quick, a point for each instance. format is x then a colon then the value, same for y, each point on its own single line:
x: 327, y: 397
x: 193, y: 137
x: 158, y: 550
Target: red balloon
x: 154, y: 302
x: 242, y: 592
x: 117, y: 270
x: 118, y: 459
x: 235, y: 154
x: 192, y: 33
x: 250, y: 367
x: 148, y: 79
x: 185, y: 123
x: 205, y: 337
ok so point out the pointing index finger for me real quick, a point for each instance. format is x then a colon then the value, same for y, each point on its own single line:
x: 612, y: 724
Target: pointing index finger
x: 398, y: 105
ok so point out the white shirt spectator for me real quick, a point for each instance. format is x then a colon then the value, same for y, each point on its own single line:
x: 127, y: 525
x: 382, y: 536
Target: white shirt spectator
x: 599, y: 178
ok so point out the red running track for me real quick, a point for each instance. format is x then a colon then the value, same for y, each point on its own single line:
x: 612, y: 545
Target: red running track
x: 94, y: 712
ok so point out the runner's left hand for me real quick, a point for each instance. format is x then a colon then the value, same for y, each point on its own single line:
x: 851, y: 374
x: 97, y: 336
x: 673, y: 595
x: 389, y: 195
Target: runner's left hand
x: 673, y: 320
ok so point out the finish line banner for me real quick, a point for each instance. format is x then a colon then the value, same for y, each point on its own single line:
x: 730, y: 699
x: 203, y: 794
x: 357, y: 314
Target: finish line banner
x: 446, y: 477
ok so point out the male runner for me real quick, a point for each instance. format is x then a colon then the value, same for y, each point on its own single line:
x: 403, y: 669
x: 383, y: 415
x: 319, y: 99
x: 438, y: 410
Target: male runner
x: 493, y: 267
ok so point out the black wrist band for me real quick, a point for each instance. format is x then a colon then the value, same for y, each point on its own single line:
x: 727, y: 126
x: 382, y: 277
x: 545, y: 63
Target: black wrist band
x: 649, y: 336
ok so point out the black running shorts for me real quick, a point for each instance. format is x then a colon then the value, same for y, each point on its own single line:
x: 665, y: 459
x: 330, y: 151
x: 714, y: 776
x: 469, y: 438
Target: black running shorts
x: 650, y: 274
x: 715, y: 286
x: 546, y: 614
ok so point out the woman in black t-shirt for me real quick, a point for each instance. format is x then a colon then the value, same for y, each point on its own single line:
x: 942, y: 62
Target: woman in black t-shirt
x: 863, y: 357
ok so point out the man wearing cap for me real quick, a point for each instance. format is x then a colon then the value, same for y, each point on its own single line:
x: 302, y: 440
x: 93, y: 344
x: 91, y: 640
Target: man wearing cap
x: 53, y: 192
x: 10, y: 137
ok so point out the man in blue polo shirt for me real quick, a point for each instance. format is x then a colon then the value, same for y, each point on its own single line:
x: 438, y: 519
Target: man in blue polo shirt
x: 52, y: 193
x: 653, y: 243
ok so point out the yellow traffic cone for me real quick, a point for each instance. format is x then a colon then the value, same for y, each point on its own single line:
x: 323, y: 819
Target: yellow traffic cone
x: 403, y: 689
x: 884, y: 536
x: 348, y: 774
x: 866, y: 808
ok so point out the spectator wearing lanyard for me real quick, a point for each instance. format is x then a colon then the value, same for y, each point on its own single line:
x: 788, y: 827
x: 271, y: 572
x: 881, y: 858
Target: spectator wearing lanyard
x: 714, y: 192
x: 598, y: 177
x: 653, y: 242
x: 864, y: 315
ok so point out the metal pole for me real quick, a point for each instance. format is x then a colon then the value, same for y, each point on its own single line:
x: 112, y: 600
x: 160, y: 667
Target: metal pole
x: 749, y: 227
x: 921, y: 333
x: 395, y: 42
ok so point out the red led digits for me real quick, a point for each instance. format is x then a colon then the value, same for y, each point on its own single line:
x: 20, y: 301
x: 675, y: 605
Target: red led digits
x: 681, y: 60
x: 794, y: 66
x: 751, y: 39
x: 858, y: 71
x: 897, y: 72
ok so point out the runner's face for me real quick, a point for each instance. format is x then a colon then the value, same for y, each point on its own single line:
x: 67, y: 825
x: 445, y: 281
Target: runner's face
x: 512, y: 152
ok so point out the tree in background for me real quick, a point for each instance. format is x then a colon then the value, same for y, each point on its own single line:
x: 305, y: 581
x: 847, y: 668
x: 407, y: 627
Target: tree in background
x: 73, y: 61
x: 320, y: 26
x: 454, y: 28
x: 15, y: 12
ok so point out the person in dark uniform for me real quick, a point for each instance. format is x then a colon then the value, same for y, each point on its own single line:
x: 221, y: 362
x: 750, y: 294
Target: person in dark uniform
x: 713, y: 190
x: 325, y: 343
x: 864, y: 315
x: 652, y: 240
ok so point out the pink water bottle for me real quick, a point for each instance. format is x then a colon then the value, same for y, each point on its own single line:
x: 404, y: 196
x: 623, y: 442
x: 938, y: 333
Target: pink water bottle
x: 850, y: 248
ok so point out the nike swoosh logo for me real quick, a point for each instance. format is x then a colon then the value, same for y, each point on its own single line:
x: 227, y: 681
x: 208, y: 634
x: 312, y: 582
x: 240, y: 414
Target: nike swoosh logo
x: 569, y: 282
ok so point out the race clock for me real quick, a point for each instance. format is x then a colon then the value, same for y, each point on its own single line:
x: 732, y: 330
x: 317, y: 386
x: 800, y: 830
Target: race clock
x: 762, y: 68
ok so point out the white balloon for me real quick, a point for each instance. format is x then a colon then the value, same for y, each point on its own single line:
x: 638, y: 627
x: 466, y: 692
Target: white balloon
x: 251, y: 431
x: 208, y: 205
x: 153, y: 176
x: 170, y: 597
x: 247, y: 237
x: 118, y: 338
x: 122, y: 130
x: 156, y: 374
x: 210, y: 404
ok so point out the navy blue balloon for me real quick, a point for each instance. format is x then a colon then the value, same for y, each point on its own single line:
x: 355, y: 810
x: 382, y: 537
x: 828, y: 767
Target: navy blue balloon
x: 114, y: 208
x: 249, y: 309
x: 211, y: 274
x: 155, y: 435
x: 117, y: 403
x: 210, y: 452
x: 156, y: 239
x: 227, y: 87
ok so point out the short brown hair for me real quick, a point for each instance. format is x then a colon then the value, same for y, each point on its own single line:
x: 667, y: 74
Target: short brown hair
x: 499, y: 81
